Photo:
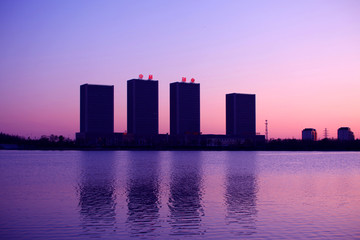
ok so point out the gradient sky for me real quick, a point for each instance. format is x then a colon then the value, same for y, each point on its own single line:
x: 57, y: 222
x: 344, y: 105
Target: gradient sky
x: 300, y: 58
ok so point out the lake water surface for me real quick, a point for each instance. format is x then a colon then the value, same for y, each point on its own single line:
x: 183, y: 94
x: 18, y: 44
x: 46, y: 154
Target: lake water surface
x: 179, y: 194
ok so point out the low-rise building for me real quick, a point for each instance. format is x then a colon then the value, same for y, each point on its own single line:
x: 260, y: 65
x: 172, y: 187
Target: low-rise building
x: 309, y: 134
x: 345, y: 134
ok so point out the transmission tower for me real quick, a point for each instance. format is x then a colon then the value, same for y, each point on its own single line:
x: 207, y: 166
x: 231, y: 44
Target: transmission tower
x: 326, y: 133
x: 266, y: 131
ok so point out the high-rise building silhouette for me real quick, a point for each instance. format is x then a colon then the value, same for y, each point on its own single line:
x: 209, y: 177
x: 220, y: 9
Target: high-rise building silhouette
x: 142, y: 107
x: 240, y: 115
x: 184, y: 108
x: 96, y: 109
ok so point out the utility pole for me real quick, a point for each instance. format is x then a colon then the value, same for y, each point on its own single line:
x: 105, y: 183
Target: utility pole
x: 266, y: 131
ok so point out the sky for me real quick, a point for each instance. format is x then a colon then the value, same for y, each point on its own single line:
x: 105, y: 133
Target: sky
x: 300, y: 58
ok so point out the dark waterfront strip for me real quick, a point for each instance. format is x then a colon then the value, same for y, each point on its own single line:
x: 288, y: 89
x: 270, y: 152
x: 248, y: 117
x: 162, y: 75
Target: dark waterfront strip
x: 53, y: 142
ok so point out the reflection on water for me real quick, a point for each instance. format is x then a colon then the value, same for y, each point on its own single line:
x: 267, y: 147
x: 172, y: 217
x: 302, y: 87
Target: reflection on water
x: 97, y: 193
x: 240, y: 194
x: 186, y: 194
x: 176, y: 195
x: 143, y: 193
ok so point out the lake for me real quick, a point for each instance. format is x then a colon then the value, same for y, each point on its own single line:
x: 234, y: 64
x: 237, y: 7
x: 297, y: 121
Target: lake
x: 179, y: 194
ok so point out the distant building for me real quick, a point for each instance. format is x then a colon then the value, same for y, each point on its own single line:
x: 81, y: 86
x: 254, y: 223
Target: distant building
x: 142, y: 107
x: 309, y: 134
x: 96, y: 114
x: 240, y: 115
x: 345, y: 134
x: 184, y: 108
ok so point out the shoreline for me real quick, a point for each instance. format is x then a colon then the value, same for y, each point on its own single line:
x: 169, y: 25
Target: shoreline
x: 232, y: 149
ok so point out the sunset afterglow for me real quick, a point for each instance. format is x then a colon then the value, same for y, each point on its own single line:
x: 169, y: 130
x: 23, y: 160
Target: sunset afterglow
x: 300, y: 58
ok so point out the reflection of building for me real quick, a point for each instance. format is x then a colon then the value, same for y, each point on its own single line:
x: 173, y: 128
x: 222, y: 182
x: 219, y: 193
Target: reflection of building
x: 309, y: 134
x: 240, y: 115
x: 96, y: 113
x: 142, y: 107
x: 345, y: 134
x: 240, y: 194
x: 185, y: 200
x: 184, y: 108
x: 143, y: 194
x: 97, y: 194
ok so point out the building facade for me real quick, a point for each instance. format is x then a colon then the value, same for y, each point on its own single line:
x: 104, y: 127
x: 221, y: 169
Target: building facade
x: 345, y: 134
x: 142, y: 107
x: 96, y: 115
x: 184, y: 108
x: 241, y: 115
x: 309, y: 134
x: 96, y: 108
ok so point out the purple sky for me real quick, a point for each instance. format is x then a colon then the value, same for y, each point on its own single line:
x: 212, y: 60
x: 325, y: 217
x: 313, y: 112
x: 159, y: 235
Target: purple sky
x: 300, y: 58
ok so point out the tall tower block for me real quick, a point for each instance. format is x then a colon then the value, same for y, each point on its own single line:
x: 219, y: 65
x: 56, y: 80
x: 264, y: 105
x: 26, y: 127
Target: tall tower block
x: 184, y: 108
x: 240, y: 115
x: 142, y: 107
x: 96, y: 109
